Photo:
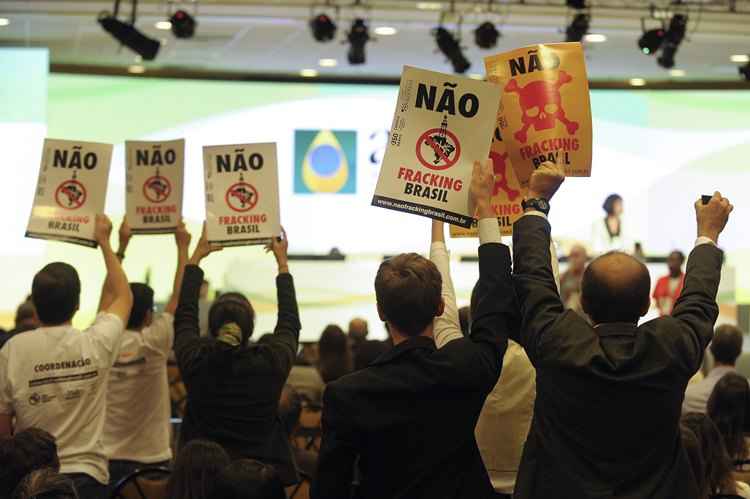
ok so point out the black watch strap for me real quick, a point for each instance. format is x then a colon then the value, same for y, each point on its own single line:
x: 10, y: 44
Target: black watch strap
x: 537, y: 204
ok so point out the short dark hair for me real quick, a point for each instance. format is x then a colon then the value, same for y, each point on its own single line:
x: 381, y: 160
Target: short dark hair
x: 679, y: 254
x: 195, y: 470
x: 408, y: 291
x: 143, y: 303
x: 606, y: 300
x: 727, y: 344
x: 729, y: 407
x: 334, y: 354
x: 248, y: 479
x: 56, y: 291
x: 26, y: 451
x: 232, y: 307
x: 46, y: 483
x: 609, y: 203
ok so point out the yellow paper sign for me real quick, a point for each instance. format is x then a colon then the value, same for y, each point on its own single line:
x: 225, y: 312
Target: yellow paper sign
x: 545, y: 106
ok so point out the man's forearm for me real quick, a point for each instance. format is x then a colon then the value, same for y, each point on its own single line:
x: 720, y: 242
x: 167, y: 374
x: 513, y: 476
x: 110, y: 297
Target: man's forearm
x: 117, y: 280
x: 182, y: 259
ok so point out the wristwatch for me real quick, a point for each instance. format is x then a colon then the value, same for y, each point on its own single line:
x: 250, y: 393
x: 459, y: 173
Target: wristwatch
x: 538, y: 204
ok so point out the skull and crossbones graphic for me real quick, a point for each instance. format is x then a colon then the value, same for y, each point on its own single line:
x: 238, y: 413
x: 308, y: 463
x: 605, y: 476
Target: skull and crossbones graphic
x: 500, y: 169
x: 542, y: 105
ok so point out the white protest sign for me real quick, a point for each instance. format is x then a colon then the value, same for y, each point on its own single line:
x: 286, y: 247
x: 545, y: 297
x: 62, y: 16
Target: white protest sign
x: 242, y: 194
x: 71, y: 191
x: 442, y: 124
x: 153, y: 192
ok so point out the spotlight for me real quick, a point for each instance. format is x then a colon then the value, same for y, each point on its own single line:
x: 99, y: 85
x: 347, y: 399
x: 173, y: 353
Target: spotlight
x: 576, y: 4
x: 651, y: 40
x: 358, y: 37
x: 486, y: 35
x: 451, y: 48
x: 129, y: 36
x: 183, y: 24
x: 745, y: 71
x: 672, y: 40
x: 577, y: 28
x: 323, y: 28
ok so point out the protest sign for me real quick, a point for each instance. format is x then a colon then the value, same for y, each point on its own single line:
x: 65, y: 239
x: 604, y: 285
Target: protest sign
x: 507, y: 193
x: 441, y: 126
x: 242, y: 194
x: 153, y: 193
x: 545, y: 106
x: 70, y: 192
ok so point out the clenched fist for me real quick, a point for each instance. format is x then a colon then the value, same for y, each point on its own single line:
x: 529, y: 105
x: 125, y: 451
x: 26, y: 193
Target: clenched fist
x: 546, y: 180
x: 712, y: 217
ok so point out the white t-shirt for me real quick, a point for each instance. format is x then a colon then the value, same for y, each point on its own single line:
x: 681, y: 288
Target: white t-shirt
x: 54, y: 378
x: 137, y: 423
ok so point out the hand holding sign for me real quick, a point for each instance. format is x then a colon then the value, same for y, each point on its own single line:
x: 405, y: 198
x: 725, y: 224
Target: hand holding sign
x: 480, y: 192
x: 203, y: 249
x: 280, y: 246
x: 102, y: 229
x: 545, y: 180
x: 182, y: 237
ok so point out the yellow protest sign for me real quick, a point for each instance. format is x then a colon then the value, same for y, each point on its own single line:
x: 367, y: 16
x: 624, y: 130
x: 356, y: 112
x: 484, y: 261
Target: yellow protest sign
x: 545, y: 107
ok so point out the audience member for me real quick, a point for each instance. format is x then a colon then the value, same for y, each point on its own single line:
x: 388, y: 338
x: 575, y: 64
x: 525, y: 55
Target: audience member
x: 729, y: 407
x: 725, y: 347
x: 410, y: 417
x: 506, y: 416
x: 669, y: 287
x: 46, y: 483
x: 26, y: 320
x: 234, y: 386
x: 28, y: 450
x: 290, y: 411
x: 195, y: 470
x: 63, y: 389
x: 334, y: 355
x: 570, y: 280
x: 695, y: 456
x: 591, y: 435
x: 306, y: 380
x: 717, y: 473
x: 137, y: 427
x: 248, y: 479
x: 358, y: 330
x: 609, y: 234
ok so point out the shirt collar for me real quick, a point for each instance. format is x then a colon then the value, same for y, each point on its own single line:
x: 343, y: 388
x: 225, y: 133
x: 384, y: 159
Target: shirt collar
x: 616, y: 329
x: 719, y: 371
x: 418, y: 342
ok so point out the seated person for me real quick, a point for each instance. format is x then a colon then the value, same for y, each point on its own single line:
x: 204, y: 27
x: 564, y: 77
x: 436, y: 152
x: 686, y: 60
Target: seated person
x: 195, y: 470
x: 248, y: 479
x: 28, y: 450
x: 729, y: 408
x: 45, y: 483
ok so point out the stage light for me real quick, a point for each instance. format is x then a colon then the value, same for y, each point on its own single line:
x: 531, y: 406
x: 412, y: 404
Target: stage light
x: 450, y: 46
x: 677, y: 73
x: 136, y: 69
x: 637, y: 82
x: 328, y: 63
x: 577, y: 28
x: 672, y: 40
x: 308, y: 73
x: 429, y: 5
x: 4, y: 21
x: 323, y: 28
x: 129, y: 36
x: 183, y: 24
x: 385, y: 31
x: 358, y: 37
x: 576, y: 4
x: 651, y: 41
x: 163, y: 25
x: 595, y: 38
x: 740, y: 58
x: 486, y: 35
x: 745, y: 71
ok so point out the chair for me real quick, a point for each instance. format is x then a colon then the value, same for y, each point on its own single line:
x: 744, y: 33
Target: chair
x: 145, y: 483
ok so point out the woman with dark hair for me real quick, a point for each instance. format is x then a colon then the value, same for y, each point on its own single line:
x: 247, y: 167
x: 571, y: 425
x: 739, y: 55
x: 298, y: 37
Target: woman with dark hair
x: 729, y: 407
x: 695, y: 455
x: 195, y: 470
x: 45, y: 483
x: 718, y: 471
x: 234, y: 386
x: 608, y: 234
x: 334, y: 354
x: 248, y: 479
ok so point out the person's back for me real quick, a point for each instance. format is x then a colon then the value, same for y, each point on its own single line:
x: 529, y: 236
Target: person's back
x: 606, y: 418
x: 195, y: 469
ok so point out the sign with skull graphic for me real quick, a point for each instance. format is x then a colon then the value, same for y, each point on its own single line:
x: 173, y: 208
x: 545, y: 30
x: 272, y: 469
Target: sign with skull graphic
x: 70, y: 191
x: 545, y: 107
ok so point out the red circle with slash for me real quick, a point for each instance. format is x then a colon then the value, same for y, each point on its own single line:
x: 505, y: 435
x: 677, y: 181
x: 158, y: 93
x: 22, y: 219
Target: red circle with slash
x: 445, y: 161
x: 74, y: 192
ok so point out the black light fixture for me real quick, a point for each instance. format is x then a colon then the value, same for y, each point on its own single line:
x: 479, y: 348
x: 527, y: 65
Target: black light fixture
x: 576, y: 4
x: 651, y: 41
x: 450, y: 46
x: 745, y: 71
x: 577, y: 28
x: 183, y: 24
x: 672, y: 40
x: 127, y: 34
x: 358, y: 36
x: 486, y: 35
x: 323, y: 28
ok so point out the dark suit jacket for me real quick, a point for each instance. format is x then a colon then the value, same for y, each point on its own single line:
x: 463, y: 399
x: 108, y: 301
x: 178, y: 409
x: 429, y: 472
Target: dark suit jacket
x: 410, y: 416
x: 606, y: 420
x: 233, y: 392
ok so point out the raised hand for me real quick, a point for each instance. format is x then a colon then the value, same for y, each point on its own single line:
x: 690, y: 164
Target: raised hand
x: 713, y: 216
x: 279, y: 246
x: 203, y: 249
x: 480, y: 191
x: 182, y: 237
x: 546, y: 180
x: 102, y: 229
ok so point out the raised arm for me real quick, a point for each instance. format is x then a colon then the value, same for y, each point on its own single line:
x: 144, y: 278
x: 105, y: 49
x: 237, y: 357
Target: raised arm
x: 447, y: 326
x: 122, y: 298
x: 182, y: 240
x: 108, y: 296
x: 696, y: 308
x: 285, y: 339
x: 533, y: 274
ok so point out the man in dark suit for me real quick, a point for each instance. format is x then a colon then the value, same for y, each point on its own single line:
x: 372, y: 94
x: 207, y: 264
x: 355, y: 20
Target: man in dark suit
x: 410, y: 416
x: 606, y: 420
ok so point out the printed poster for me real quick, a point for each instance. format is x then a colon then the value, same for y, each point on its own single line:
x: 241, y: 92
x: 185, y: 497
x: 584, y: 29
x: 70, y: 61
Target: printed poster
x: 71, y: 190
x: 545, y: 106
x: 443, y: 123
x: 242, y: 194
x: 153, y: 192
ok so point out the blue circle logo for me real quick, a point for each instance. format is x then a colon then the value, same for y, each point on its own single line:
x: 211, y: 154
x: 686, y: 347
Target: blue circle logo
x: 325, y: 160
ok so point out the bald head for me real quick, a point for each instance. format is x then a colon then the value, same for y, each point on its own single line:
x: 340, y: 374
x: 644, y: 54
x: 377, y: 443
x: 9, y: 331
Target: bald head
x: 615, y: 288
x: 358, y: 329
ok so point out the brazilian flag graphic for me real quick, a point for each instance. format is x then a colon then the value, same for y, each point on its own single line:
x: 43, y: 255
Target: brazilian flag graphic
x: 325, y: 161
